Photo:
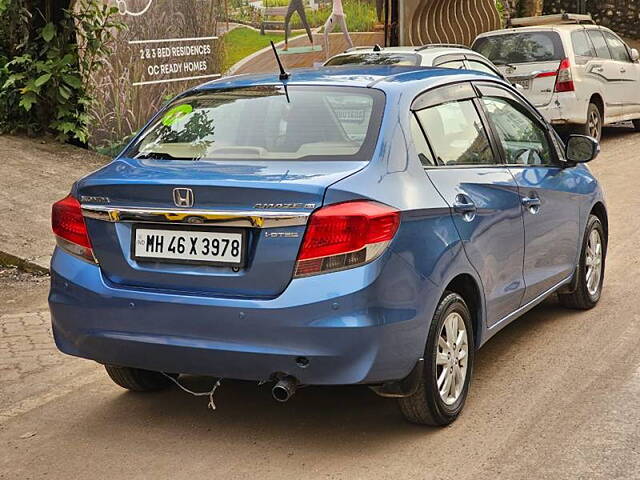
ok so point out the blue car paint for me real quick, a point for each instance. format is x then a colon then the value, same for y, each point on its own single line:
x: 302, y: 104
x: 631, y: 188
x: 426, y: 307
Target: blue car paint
x: 240, y: 186
x: 364, y: 325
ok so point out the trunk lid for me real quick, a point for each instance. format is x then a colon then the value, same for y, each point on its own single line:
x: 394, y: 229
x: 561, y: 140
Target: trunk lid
x: 231, y: 186
x: 536, y: 79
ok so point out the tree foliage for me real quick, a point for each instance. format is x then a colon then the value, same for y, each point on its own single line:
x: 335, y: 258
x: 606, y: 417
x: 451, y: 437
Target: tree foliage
x: 46, y: 58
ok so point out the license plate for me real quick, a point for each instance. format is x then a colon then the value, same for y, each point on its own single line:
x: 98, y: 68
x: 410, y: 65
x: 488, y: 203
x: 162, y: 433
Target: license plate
x: 525, y: 84
x: 179, y: 245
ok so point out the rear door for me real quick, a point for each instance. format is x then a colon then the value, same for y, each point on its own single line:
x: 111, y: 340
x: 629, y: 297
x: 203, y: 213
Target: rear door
x: 550, y: 203
x: 608, y: 70
x: 481, y: 192
x: 629, y: 75
x: 585, y: 67
x: 529, y: 58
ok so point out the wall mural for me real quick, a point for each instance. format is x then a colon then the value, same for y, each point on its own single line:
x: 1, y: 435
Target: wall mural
x: 446, y: 21
x: 295, y: 6
x: 337, y: 17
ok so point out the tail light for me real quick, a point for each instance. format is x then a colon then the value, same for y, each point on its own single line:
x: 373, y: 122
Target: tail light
x: 68, y: 225
x: 564, y: 80
x: 346, y: 235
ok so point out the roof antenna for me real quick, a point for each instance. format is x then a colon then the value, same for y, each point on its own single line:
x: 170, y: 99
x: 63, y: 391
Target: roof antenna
x: 283, y: 74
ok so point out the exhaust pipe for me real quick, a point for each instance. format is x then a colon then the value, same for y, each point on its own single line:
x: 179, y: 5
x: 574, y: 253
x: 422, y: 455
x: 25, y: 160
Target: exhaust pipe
x: 284, y: 389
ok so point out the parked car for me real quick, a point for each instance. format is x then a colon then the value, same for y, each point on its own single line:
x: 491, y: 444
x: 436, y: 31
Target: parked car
x: 579, y: 76
x: 442, y: 55
x: 367, y: 225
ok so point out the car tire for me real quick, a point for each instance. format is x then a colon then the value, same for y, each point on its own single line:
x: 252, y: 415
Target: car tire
x: 590, y: 272
x: 636, y: 125
x: 137, y: 380
x: 593, y: 126
x: 427, y: 405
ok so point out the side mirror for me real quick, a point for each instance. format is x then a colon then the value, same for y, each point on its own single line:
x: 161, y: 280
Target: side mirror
x: 635, y: 56
x: 581, y: 149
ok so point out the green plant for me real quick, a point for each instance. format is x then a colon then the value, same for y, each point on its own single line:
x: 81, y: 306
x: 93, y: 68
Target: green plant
x: 112, y: 148
x: 45, y: 85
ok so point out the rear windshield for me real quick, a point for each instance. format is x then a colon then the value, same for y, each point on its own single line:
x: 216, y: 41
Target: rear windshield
x: 370, y: 58
x: 266, y: 123
x: 521, y: 47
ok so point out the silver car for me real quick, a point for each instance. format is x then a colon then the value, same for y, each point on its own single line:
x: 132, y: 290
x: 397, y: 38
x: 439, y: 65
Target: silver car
x: 580, y: 76
x: 433, y: 55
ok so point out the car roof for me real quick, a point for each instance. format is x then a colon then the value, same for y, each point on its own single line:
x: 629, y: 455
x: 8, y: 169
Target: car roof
x: 424, y: 51
x: 388, y: 78
x: 544, y: 28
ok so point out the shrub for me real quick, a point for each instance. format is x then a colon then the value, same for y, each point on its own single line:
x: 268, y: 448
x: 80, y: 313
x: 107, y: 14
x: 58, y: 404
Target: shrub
x: 44, y: 81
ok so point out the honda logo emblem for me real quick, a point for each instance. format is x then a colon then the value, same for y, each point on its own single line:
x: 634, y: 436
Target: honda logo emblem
x: 183, y: 197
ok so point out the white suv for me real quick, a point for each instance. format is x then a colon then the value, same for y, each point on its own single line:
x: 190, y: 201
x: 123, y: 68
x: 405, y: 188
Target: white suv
x: 580, y: 76
x: 442, y: 55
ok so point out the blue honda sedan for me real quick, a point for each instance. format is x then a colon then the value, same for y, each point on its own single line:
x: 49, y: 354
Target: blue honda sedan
x: 356, y: 225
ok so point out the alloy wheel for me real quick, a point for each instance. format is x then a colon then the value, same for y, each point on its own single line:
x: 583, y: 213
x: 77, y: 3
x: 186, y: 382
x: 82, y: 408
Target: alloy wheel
x: 593, y: 262
x: 451, y: 358
x: 594, y: 124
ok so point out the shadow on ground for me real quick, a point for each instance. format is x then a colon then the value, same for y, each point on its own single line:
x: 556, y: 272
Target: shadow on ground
x: 336, y: 416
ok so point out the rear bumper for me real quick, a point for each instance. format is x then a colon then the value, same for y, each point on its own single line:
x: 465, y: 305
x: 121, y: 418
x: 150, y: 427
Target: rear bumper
x: 364, y: 325
x: 564, y: 109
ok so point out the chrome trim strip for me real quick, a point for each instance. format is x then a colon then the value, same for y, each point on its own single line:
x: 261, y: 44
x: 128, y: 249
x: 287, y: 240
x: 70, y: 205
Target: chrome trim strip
x: 227, y: 218
x: 529, y: 305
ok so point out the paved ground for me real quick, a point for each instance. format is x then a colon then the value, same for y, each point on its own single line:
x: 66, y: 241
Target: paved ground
x: 27, y: 193
x: 555, y: 395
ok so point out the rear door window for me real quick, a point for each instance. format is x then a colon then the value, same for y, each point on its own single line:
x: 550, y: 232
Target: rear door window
x: 456, y: 134
x: 617, y: 48
x: 424, y: 153
x: 581, y: 44
x: 599, y: 43
x: 521, y: 47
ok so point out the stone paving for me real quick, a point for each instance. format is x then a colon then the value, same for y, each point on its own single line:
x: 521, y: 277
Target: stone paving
x: 26, y: 345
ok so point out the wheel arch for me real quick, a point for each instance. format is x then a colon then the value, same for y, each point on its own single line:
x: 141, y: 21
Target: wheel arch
x: 597, y: 100
x: 600, y: 211
x: 465, y: 285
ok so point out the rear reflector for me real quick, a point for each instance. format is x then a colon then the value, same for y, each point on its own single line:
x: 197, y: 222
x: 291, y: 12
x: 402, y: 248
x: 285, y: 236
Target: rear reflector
x: 346, y: 235
x: 68, y: 225
x: 552, y: 73
x: 564, y: 80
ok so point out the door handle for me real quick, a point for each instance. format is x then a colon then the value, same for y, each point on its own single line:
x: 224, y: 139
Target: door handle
x: 465, y: 206
x: 532, y: 204
x: 623, y: 70
x: 598, y: 69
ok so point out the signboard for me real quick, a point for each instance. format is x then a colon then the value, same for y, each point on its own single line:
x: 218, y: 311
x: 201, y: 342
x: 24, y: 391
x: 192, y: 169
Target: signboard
x: 167, y: 47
